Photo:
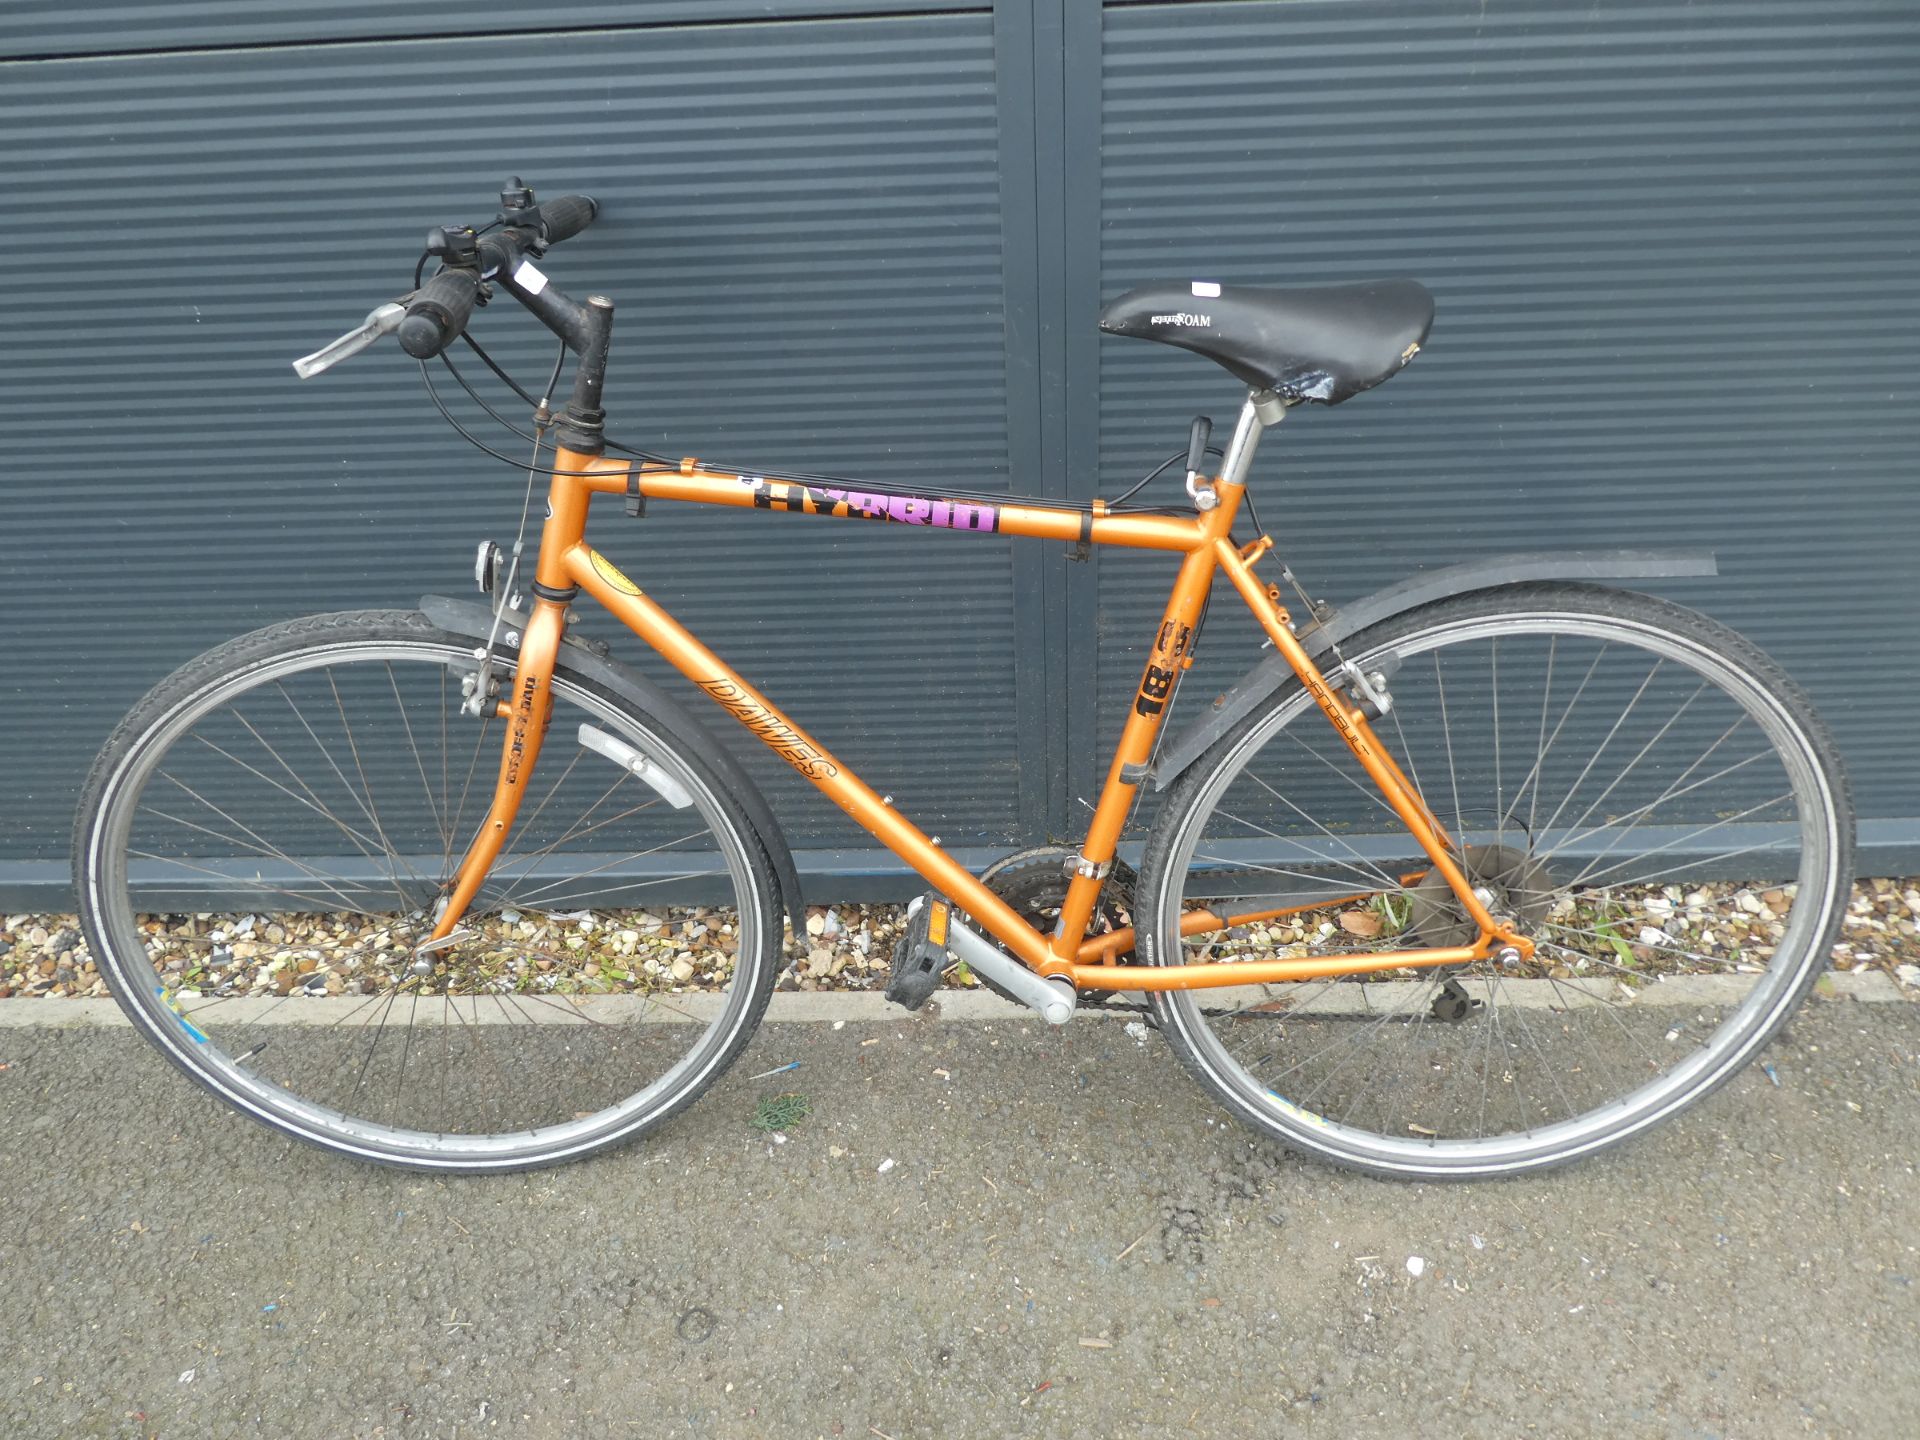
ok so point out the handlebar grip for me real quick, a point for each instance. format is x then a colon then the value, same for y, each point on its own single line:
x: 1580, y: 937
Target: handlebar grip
x: 566, y: 217
x: 438, y: 313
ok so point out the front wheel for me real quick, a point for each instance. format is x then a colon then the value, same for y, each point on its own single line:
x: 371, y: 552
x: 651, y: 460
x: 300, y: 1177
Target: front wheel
x: 261, y: 848
x: 1637, y: 789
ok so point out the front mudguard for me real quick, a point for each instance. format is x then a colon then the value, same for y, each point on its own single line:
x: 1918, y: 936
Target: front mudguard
x: 1231, y: 709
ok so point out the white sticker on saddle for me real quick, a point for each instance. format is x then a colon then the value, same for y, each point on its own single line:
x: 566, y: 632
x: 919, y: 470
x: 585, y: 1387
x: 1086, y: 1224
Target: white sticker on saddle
x: 1206, y: 289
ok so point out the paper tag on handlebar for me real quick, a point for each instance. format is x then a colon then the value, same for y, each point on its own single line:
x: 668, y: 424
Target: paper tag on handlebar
x: 528, y: 278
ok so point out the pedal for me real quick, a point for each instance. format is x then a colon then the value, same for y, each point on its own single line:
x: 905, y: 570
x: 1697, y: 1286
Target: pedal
x: 920, y: 957
x: 1453, y: 1004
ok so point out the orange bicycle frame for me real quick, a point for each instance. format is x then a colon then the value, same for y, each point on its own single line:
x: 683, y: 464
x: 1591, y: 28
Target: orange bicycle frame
x: 567, y: 562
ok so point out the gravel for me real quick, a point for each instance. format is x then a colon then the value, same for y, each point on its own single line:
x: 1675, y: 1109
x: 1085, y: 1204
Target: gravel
x: 850, y: 947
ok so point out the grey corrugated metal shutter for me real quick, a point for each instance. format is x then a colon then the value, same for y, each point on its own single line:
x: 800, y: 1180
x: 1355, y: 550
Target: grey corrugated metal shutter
x: 803, y: 229
x: 1673, y: 250
x: 1673, y: 254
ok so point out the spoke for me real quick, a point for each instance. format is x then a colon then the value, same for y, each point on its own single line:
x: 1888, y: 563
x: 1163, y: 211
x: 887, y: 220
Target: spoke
x: 1773, y: 847
x: 1614, y: 965
x: 1372, y: 795
x: 327, y: 755
x: 332, y: 959
x: 516, y: 1016
x: 1642, y: 753
x: 617, y: 887
x: 369, y: 1001
x: 1350, y: 1050
x: 530, y: 896
x: 406, y: 1049
x: 1332, y: 884
x: 1504, y: 1048
x: 1499, y: 785
x: 1526, y: 1031
x: 474, y: 1030
x: 1576, y: 1009
x: 433, y: 806
x: 318, y: 902
x: 522, y: 827
x: 1366, y: 869
x: 1416, y: 1029
x: 1606, y: 740
x: 365, y: 845
x: 1489, y: 1033
x: 368, y: 846
x: 1663, y: 949
x: 1637, y: 814
x: 1413, y: 768
x: 457, y: 829
x: 1590, y: 876
x: 259, y: 846
x: 1546, y: 743
x: 1453, y: 773
x: 572, y: 1012
x: 523, y: 863
x: 1540, y: 745
x: 525, y: 871
x: 353, y: 748
x: 378, y: 1031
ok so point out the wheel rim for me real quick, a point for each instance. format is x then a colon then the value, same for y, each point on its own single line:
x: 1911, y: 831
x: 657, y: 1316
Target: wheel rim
x: 1425, y: 1071
x: 542, y: 1031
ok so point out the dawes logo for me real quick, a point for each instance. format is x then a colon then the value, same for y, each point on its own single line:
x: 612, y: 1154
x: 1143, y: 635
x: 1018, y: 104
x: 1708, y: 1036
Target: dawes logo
x: 1185, y: 317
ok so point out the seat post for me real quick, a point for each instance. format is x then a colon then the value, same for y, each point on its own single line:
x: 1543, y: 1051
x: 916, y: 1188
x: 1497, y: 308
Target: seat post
x: 1262, y: 409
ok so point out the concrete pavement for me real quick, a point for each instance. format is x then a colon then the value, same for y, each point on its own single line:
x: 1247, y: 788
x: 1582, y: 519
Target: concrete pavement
x: 1071, y: 1240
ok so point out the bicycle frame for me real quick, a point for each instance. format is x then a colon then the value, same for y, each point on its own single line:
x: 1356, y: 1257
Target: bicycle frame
x: 567, y: 565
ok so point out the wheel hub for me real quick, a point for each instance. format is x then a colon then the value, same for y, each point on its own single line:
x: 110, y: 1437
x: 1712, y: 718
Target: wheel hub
x: 1515, y: 887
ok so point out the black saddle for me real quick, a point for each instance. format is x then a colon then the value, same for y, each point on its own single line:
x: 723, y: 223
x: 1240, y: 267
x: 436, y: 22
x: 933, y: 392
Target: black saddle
x: 1324, y: 345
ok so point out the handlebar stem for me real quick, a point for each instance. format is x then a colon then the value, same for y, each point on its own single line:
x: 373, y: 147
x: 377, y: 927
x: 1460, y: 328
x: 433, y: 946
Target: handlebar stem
x: 582, y: 427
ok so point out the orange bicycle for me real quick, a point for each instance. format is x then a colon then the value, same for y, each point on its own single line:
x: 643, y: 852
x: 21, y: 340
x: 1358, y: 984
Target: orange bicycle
x: 1473, y: 876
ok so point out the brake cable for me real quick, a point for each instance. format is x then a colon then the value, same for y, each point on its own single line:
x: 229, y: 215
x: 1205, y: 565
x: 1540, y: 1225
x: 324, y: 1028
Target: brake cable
x: 985, y: 497
x: 504, y: 594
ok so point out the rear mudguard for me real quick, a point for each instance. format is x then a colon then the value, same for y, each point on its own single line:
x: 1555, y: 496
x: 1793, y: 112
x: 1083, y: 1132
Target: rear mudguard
x: 463, y: 617
x: 1231, y: 710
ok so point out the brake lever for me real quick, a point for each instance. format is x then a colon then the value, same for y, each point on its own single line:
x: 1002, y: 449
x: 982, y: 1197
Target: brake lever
x: 381, y: 320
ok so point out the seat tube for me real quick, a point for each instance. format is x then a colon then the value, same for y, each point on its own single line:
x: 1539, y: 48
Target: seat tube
x: 1169, y: 656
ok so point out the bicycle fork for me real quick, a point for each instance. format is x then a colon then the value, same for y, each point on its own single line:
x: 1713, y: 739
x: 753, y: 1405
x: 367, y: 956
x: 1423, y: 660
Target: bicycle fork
x: 527, y: 710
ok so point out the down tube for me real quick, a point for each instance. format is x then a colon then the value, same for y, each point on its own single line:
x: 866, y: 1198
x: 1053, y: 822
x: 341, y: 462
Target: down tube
x: 598, y: 576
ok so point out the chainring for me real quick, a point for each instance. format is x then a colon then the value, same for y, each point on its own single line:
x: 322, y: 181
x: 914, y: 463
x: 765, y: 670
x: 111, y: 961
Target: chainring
x: 1034, y: 883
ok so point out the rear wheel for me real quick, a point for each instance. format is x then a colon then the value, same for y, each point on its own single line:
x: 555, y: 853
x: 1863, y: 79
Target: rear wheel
x: 1637, y: 789
x: 262, y: 847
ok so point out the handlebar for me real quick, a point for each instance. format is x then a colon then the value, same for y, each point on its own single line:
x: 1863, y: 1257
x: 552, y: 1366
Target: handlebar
x: 566, y: 217
x: 437, y: 313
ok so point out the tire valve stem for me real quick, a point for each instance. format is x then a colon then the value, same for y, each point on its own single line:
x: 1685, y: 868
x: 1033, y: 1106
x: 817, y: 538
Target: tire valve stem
x: 243, y: 1059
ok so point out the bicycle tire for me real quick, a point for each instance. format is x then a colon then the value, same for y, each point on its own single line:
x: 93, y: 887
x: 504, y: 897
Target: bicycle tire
x: 292, y: 652
x: 1194, y: 1021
